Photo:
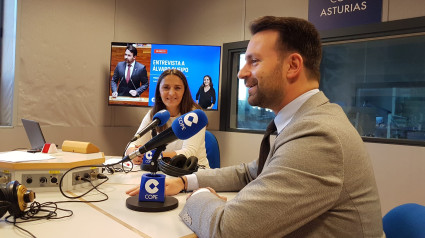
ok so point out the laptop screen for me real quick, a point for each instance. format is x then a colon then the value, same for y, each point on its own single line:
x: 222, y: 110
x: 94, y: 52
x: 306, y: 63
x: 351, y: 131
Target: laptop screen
x: 35, y: 136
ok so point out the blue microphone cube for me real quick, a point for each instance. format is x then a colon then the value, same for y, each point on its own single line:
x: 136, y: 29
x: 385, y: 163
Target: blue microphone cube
x: 152, y: 188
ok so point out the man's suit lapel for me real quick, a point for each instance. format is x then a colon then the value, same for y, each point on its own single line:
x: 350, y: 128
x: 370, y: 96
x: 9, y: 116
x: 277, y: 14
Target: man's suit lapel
x: 314, y: 101
x: 135, y: 69
x: 123, y: 68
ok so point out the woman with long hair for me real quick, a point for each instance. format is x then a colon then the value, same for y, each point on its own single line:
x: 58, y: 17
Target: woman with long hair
x: 172, y: 93
x: 205, y: 97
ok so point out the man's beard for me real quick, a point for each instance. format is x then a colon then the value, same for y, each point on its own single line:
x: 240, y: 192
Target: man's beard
x: 267, y: 98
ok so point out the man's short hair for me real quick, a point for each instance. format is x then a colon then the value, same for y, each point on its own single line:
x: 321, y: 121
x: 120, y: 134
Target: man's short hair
x: 297, y: 35
x: 132, y: 49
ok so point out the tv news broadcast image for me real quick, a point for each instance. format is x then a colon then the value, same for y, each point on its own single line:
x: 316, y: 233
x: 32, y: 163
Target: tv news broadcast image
x: 136, y: 87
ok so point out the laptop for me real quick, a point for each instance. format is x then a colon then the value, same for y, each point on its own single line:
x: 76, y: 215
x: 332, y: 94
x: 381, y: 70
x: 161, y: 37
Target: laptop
x: 34, y: 134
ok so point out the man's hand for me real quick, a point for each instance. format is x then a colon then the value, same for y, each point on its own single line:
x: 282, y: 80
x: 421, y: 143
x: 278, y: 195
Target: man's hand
x: 210, y: 190
x: 133, y: 93
x: 115, y: 94
x: 133, y: 191
x: 174, y: 186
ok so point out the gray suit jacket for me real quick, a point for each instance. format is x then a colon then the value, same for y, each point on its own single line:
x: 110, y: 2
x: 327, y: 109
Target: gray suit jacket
x: 318, y: 181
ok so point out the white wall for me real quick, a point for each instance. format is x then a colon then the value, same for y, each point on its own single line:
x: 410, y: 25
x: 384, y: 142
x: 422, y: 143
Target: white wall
x: 62, y: 68
x: 399, y: 172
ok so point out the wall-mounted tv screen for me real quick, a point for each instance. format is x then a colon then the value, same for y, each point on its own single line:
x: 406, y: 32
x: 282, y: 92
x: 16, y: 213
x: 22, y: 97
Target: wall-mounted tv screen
x: 135, y: 85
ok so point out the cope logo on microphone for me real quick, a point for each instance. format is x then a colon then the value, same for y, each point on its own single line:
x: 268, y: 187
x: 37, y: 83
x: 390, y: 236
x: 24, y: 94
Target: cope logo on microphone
x: 190, y: 118
x: 152, y: 188
x: 147, y: 158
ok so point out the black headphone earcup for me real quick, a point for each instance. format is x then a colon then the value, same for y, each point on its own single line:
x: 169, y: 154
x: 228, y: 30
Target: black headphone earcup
x: 191, y: 163
x: 166, y: 159
x: 14, y: 198
x: 178, y: 161
x: 4, y: 204
x: 9, y: 200
x: 14, y: 208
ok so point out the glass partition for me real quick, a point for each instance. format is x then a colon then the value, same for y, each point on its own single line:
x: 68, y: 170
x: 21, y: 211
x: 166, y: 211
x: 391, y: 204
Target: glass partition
x: 375, y: 73
x: 249, y: 117
x: 380, y: 84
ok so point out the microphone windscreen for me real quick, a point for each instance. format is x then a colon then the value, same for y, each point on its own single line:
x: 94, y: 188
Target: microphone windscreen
x: 189, y: 124
x: 163, y: 116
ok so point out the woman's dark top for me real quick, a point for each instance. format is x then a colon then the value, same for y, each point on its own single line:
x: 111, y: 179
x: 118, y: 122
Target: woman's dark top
x: 206, y: 99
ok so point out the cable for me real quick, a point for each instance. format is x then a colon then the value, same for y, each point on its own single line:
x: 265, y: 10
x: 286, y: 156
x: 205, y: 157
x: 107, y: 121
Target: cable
x: 84, y: 179
x: 126, y: 147
x: 111, y: 169
x: 129, y: 170
x: 94, y: 187
x: 123, y: 155
x: 50, y: 208
x: 20, y: 228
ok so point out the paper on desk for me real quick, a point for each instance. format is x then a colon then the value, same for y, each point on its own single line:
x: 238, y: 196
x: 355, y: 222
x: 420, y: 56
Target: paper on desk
x: 23, y: 156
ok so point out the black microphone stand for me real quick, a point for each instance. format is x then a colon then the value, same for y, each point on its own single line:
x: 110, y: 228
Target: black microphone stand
x: 154, y: 161
x: 169, y: 203
x: 153, y: 166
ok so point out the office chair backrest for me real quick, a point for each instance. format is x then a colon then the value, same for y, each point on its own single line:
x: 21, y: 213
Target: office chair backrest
x: 213, y: 150
x: 407, y: 220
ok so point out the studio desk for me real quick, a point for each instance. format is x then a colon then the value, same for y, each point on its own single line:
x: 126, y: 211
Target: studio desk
x: 110, y: 218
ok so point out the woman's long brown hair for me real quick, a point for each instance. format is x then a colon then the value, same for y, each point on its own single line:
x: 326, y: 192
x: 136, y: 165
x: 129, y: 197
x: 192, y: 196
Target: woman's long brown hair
x: 186, y: 105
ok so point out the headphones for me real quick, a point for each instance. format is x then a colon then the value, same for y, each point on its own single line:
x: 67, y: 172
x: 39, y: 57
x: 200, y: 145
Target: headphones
x: 14, y: 198
x: 179, y: 165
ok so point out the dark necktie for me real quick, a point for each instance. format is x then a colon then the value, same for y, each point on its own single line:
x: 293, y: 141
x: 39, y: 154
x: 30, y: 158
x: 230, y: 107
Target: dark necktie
x: 127, y: 78
x: 265, y: 146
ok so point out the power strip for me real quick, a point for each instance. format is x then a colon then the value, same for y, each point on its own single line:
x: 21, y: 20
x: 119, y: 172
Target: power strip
x: 77, y: 177
x: 45, y: 174
x: 48, y: 180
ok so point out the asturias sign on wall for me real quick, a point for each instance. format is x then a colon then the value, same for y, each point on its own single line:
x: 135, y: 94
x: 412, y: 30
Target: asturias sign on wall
x: 331, y: 14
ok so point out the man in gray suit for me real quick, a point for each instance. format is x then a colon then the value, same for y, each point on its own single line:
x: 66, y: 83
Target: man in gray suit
x: 317, y: 180
x: 130, y: 77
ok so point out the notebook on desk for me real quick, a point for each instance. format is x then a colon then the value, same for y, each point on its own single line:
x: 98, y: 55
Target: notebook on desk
x: 34, y: 134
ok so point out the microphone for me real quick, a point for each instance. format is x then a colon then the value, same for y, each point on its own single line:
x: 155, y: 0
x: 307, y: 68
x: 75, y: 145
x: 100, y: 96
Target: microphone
x: 182, y: 128
x: 159, y: 119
